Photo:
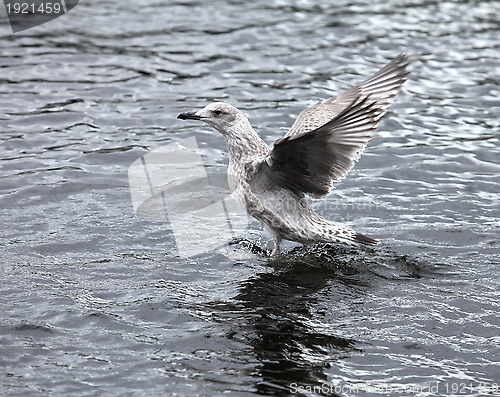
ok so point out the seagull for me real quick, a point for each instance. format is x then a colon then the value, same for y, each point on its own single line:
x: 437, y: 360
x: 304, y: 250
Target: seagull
x: 318, y: 151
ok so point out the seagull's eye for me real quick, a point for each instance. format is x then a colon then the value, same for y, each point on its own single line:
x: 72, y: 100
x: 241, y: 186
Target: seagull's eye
x: 217, y: 112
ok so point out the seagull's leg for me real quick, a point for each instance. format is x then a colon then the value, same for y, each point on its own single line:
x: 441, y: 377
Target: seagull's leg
x: 277, y: 241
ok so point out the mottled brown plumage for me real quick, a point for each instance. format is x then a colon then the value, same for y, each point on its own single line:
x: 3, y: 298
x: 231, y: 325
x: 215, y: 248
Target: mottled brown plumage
x: 320, y: 149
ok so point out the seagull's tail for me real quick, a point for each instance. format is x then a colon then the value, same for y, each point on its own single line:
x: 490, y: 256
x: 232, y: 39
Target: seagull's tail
x: 332, y: 232
x: 350, y: 237
x: 365, y: 240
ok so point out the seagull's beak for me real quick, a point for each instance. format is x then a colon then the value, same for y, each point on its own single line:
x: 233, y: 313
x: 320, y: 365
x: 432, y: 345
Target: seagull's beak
x: 189, y: 116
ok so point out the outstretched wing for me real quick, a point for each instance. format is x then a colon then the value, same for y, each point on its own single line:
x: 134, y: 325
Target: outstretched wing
x: 311, y: 160
x: 382, y: 87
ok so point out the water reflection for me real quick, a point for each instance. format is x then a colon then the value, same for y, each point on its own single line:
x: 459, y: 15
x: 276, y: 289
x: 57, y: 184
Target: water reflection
x: 282, y: 316
x: 291, y: 350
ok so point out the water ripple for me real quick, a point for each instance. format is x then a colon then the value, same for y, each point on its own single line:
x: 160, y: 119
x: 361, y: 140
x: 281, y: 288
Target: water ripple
x: 96, y: 301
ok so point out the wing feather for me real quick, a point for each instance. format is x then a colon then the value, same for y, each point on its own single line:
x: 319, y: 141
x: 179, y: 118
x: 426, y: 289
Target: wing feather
x: 382, y: 86
x: 311, y: 157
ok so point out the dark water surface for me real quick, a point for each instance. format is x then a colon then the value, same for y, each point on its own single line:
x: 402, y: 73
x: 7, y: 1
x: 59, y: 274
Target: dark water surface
x: 95, y: 302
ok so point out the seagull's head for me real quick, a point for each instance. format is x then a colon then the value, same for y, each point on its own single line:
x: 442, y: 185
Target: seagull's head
x: 221, y: 116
